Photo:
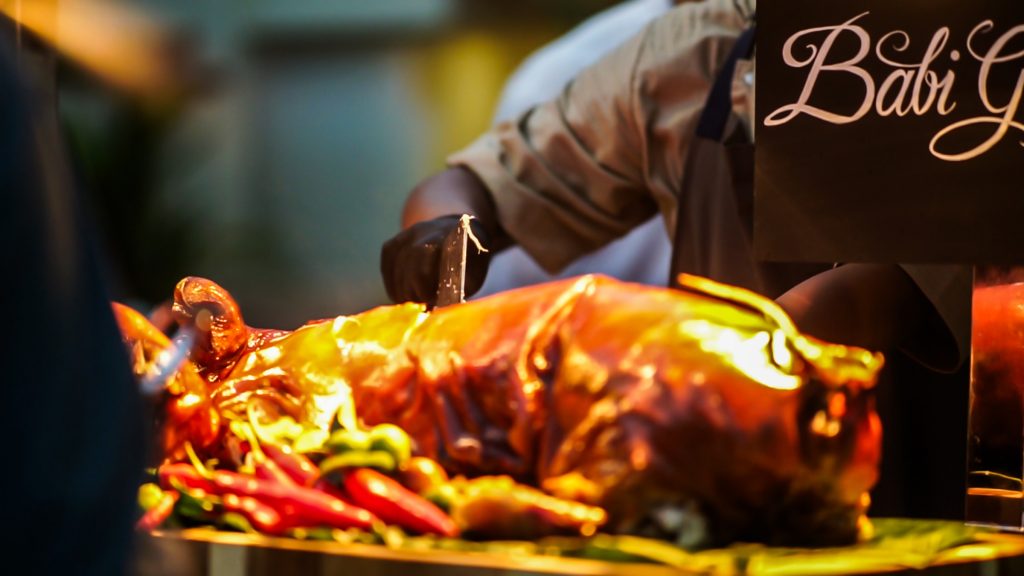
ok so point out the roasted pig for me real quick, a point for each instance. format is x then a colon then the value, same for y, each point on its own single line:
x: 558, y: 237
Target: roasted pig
x: 702, y: 408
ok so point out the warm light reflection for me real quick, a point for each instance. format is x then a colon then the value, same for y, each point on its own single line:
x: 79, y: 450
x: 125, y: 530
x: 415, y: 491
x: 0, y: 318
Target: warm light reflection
x: 781, y: 353
x: 751, y: 354
x: 823, y: 425
x: 117, y: 41
x: 832, y: 362
x: 189, y: 400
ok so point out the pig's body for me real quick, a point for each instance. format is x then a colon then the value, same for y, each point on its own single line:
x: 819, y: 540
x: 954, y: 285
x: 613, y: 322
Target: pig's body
x: 625, y: 396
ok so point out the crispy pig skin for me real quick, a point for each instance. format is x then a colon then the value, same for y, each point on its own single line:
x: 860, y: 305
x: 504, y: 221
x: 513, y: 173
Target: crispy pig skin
x: 641, y: 392
x: 620, y: 395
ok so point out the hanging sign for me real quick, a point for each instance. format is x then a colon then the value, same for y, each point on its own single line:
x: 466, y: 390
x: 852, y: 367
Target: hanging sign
x: 890, y: 131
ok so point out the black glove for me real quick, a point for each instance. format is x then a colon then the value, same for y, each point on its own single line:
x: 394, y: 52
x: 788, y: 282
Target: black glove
x: 410, y: 262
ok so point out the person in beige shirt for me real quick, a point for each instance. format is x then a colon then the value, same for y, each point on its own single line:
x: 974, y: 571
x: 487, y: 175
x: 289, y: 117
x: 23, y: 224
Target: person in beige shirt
x: 541, y: 77
x: 570, y: 175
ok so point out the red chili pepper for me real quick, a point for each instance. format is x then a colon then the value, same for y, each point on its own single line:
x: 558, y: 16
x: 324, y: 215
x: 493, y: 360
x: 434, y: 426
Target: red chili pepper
x: 310, y: 506
x: 267, y: 469
x: 185, y: 474
x: 395, y: 504
x: 305, y: 505
x: 262, y: 517
x: 156, y: 515
x: 298, y: 466
x: 323, y: 485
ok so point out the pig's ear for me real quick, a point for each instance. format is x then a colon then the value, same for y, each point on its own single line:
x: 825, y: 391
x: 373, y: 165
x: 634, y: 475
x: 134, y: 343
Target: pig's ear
x: 208, y: 308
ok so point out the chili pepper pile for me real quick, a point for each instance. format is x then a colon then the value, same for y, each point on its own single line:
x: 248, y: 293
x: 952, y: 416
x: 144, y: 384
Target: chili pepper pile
x: 359, y: 481
x: 277, y: 490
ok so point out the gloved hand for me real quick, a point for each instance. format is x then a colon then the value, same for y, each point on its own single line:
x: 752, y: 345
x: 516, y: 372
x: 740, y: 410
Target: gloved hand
x: 410, y: 263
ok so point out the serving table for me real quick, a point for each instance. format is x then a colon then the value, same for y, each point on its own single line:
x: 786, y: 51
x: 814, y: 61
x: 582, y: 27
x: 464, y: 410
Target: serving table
x: 900, y: 546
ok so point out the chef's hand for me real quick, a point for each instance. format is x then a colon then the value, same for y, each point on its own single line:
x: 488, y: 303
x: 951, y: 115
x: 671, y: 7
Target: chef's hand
x: 411, y: 261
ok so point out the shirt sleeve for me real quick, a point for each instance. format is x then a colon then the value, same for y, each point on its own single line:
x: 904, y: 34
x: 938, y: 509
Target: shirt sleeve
x: 943, y: 342
x: 572, y: 174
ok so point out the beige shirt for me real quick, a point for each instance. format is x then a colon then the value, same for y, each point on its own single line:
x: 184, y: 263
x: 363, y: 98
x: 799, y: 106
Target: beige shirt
x: 561, y: 185
x: 573, y: 174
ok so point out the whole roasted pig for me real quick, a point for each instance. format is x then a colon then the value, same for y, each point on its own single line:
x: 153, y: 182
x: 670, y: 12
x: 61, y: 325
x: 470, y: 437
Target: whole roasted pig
x: 698, y: 404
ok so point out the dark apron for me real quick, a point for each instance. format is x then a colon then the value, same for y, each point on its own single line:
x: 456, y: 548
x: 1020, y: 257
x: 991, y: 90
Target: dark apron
x: 714, y: 238
x: 715, y: 215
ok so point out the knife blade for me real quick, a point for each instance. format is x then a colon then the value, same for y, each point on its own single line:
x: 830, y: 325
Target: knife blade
x: 451, y: 288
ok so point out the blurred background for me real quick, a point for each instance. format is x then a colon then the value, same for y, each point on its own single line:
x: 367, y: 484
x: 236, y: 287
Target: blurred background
x: 269, y: 144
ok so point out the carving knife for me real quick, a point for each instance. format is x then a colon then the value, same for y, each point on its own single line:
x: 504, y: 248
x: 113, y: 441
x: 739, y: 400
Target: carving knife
x: 451, y: 287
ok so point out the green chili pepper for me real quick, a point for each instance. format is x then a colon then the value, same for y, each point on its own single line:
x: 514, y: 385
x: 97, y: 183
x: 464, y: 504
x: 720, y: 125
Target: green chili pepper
x: 195, y: 504
x: 376, y: 459
x: 344, y: 440
x: 236, y: 521
x: 442, y: 496
x: 311, y: 440
x: 150, y: 495
x: 392, y: 439
x: 160, y: 511
x: 316, y: 533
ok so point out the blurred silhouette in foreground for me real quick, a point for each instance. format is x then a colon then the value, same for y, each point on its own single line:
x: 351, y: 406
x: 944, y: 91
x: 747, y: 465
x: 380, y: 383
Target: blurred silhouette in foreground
x: 72, y: 415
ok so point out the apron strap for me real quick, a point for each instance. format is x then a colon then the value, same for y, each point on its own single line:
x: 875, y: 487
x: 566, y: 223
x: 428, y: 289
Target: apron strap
x: 710, y: 131
x: 714, y: 222
x: 718, y: 106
